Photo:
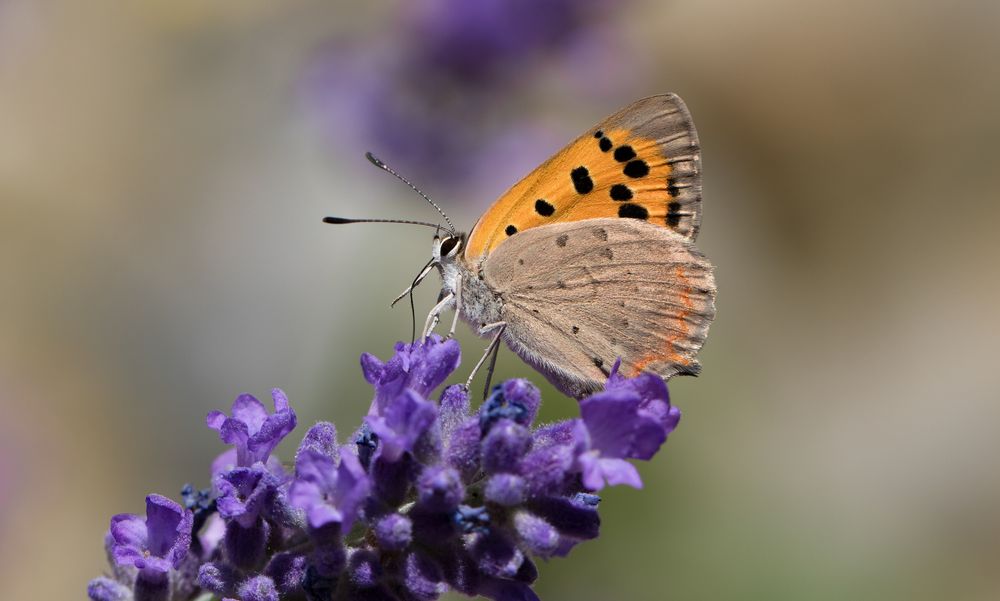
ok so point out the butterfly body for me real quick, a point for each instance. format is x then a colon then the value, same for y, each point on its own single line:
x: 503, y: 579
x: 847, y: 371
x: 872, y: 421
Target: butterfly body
x: 590, y: 259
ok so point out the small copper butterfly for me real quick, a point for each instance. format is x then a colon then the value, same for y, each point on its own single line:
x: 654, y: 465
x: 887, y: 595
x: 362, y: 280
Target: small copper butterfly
x: 590, y: 259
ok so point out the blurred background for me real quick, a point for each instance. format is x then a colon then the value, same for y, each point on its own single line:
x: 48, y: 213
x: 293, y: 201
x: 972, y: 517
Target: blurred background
x: 164, y: 166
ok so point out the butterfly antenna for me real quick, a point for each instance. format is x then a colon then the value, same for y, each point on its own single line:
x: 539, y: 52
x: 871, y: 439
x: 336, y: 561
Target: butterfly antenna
x: 342, y: 220
x: 374, y: 160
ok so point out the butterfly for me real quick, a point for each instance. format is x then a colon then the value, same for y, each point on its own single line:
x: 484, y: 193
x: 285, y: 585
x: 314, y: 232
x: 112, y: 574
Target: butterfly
x: 589, y: 261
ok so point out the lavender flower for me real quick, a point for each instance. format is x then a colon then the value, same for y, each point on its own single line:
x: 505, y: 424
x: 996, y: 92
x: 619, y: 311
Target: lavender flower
x: 428, y: 496
x: 147, y: 552
x: 251, y: 429
x: 328, y: 493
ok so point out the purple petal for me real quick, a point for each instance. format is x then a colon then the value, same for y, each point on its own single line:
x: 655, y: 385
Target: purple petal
x: 597, y: 470
x: 440, y: 488
x: 246, y: 547
x: 540, y: 537
x: 423, y: 577
x: 152, y: 565
x: 259, y: 588
x: 462, y: 451
x: 574, y: 519
x: 280, y: 400
x: 504, y: 445
x: 505, y: 489
x: 618, y: 428
x: 454, y: 403
x: 106, y: 589
x: 219, y: 578
x: 215, y: 419
x: 304, y: 494
x: 496, y: 555
x: 244, y: 492
x: 364, y: 569
x: 522, y: 391
x: 124, y: 555
x: 129, y: 530
x: 321, y: 515
x: 250, y: 411
x: 168, y: 524
x: 322, y: 438
x: 401, y: 423
x: 223, y: 463
x: 352, y: 487
x: 287, y: 570
x: 549, y: 466
x: 372, y: 368
x: 393, y: 531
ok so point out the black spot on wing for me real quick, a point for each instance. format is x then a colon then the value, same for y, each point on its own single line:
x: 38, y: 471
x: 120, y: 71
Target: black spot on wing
x: 581, y: 180
x: 672, y: 188
x: 601, y: 234
x: 624, y: 153
x: 636, y: 168
x: 620, y: 192
x: 598, y: 133
x: 543, y: 208
x: 673, y: 214
x: 605, y: 144
x: 561, y: 240
x: 633, y: 211
x: 600, y: 365
x: 607, y: 254
x: 576, y: 330
x: 510, y: 230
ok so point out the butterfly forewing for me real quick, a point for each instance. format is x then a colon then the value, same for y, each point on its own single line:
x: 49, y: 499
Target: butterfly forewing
x: 578, y: 295
x: 641, y: 163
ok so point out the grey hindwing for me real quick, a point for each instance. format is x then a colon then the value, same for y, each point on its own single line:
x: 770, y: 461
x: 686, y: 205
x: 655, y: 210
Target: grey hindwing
x: 577, y: 296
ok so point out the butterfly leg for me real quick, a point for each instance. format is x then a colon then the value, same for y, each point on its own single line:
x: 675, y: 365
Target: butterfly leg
x: 435, y: 315
x: 458, y: 307
x: 493, y: 345
x: 489, y: 372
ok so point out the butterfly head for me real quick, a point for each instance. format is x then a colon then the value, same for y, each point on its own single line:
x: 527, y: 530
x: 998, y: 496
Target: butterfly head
x: 447, y: 247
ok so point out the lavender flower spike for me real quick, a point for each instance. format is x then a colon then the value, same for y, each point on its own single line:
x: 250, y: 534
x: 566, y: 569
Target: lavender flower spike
x: 251, y: 429
x: 425, y: 498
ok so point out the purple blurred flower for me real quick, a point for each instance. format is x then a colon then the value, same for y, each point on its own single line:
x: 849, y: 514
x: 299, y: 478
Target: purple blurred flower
x: 251, y: 429
x: 443, y: 93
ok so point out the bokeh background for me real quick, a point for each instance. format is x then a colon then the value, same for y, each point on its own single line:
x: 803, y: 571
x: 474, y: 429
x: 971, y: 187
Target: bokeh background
x: 164, y: 166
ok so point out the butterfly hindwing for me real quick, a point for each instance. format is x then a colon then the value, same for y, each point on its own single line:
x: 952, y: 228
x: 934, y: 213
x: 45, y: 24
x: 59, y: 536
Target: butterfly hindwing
x: 577, y: 296
x: 643, y: 163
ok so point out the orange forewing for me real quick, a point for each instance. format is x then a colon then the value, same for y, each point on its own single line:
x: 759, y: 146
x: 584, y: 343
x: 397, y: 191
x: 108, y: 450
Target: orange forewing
x: 642, y: 162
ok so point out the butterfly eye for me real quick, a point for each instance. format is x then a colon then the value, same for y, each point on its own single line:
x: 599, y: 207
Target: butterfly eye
x: 449, y: 245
